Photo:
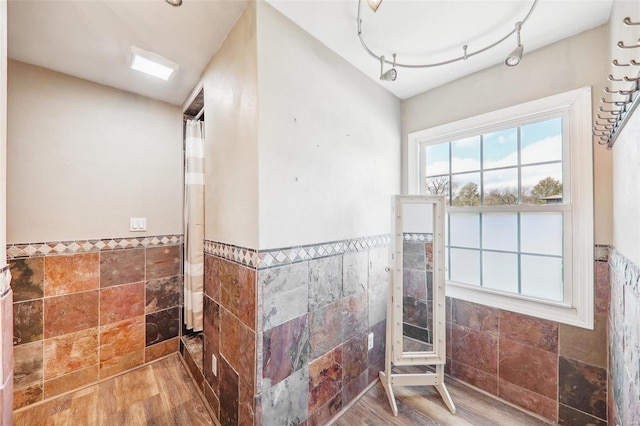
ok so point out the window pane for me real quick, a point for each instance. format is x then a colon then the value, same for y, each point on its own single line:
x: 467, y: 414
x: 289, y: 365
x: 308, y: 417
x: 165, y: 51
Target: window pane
x: 465, y: 266
x: 501, y: 187
x: 500, y: 271
x: 541, y: 277
x: 466, y: 190
x: 500, y: 231
x: 465, y: 230
x: 542, y: 184
x: 436, y: 159
x: 465, y: 155
x: 437, y: 186
x: 500, y: 149
x: 541, y: 233
x: 542, y: 141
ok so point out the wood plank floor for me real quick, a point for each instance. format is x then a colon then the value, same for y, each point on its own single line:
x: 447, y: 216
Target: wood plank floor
x: 161, y: 393
x: 422, y: 406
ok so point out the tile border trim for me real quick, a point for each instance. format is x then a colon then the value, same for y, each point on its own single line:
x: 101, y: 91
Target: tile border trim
x: 52, y: 248
x: 271, y: 258
x: 415, y: 236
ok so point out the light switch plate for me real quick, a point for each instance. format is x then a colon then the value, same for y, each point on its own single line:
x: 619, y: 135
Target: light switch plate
x: 137, y: 224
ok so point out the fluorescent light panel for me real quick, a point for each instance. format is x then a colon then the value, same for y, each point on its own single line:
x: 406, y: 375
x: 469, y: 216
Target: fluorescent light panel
x: 152, y: 63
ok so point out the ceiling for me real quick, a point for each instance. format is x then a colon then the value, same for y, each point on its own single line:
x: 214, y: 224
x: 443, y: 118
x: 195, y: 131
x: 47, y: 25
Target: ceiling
x: 90, y: 39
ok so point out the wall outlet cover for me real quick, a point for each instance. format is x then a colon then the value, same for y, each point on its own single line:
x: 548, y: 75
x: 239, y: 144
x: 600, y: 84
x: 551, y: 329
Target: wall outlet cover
x: 214, y: 365
x: 370, y: 342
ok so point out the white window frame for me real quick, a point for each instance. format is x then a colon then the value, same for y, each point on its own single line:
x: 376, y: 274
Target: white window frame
x: 575, y: 108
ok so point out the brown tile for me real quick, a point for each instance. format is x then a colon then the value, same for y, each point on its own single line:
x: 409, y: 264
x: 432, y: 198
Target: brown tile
x: 212, y: 267
x: 352, y: 389
x: 212, y: 400
x: 229, y: 397
x: 71, y: 274
x: 6, y: 402
x: 602, y: 288
x: 27, y: 278
x: 27, y: 396
x: 529, y: 367
x: 230, y: 342
x: 151, y: 353
x: 211, y: 338
x: 121, y: 337
x: 162, y: 325
x: 238, y: 292
x: 583, y: 387
x: 247, y: 356
x: 246, y: 407
x: 570, y: 417
x: 71, y: 352
x: 354, y: 358
x: 585, y: 345
x: 477, y: 378
x: 70, y: 313
x: 163, y: 261
x: 6, y: 334
x: 326, y: 412
x: 209, y: 377
x: 27, y: 321
x: 163, y: 293
x: 528, y: 400
x: 474, y: 316
x: 129, y: 360
x: 70, y: 381
x: 286, y: 349
x: 122, y: 267
x: 536, y: 332
x: 325, y: 379
x: 121, y: 302
x: 475, y: 349
x: 28, y: 365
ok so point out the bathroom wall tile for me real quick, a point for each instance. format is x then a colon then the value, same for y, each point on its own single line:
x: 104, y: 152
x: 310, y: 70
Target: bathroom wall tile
x: 121, y: 302
x: 285, y: 293
x: 121, y: 337
x: 247, y: 356
x: 246, y: 404
x: 323, y: 414
x: 352, y: 389
x: 477, y: 378
x: 6, y: 402
x: 209, y: 377
x: 230, y: 338
x: 163, y: 261
x: 229, y: 394
x: 536, y: 332
x: 585, y: 345
x: 379, y: 340
x: 475, y: 316
x: 475, y: 349
x: 27, y: 321
x: 354, y: 316
x: 238, y: 292
x: 27, y: 396
x: 528, y: 367
x: 571, y: 417
x: 375, y: 368
x: 287, y: 403
x: 162, y: 349
x: 28, y: 365
x: 122, y: 267
x: 71, y: 274
x: 212, y: 283
x: 415, y: 312
x: 286, y: 349
x: 354, y: 358
x: 212, y: 400
x: 6, y: 335
x: 27, y: 278
x: 355, y: 273
x: 122, y: 363
x: 70, y: 352
x: 414, y: 256
x: 211, y: 339
x: 414, y: 284
x: 583, y: 387
x: 163, y: 293
x: 70, y: 313
x: 602, y: 288
x: 325, y: 281
x: 532, y: 401
x: 378, y: 284
x: 325, y: 329
x: 162, y: 325
x: 325, y: 379
x: 70, y: 381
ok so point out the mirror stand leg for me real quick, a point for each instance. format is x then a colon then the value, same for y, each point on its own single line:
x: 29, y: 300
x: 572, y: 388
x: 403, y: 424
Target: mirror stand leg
x: 442, y: 390
x: 386, y: 384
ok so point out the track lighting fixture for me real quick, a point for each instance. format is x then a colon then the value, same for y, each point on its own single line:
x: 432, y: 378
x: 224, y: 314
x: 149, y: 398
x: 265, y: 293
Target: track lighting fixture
x: 512, y: 60
x: 174, y: 2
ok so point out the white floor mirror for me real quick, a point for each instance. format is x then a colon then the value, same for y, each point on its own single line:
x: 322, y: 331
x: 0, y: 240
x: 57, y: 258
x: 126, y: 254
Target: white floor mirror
x: 416, y: 327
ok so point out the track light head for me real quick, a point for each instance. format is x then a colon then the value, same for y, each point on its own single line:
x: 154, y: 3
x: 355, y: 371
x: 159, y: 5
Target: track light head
x: 390, y: 75
x: 374, y: 4
x: 174, y: 2
x: 514, y: 57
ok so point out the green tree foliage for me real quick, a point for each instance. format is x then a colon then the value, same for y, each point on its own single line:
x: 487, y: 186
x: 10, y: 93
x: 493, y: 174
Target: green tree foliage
x: 501, y: 197
x: 546, y: 188
x: 469, y: 195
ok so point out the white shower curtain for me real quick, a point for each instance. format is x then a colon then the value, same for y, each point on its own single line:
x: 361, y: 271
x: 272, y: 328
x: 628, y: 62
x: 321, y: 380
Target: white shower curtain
x: 194, y: 224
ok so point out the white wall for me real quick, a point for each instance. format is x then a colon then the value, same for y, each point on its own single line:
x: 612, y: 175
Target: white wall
x: 231, y: 139
x: 3, y: 132
x: 83, y: 158
x: 578, y: 61
x: 329, y: 141
x: 626, y: 151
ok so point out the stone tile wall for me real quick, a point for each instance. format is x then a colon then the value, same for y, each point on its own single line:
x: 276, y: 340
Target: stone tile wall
x: 624, y: 341
x: 555, y: 370
x: 80, y: 318
x: 6, y: 348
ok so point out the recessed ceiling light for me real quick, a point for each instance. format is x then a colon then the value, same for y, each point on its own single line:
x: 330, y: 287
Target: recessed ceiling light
x: 151, y: 63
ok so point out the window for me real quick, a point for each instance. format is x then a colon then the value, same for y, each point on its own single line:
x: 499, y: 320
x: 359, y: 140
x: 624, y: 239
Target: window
x: 518, y: 186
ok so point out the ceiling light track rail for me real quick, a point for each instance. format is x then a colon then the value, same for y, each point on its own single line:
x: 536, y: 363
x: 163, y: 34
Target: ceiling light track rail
x: 511, y: 60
